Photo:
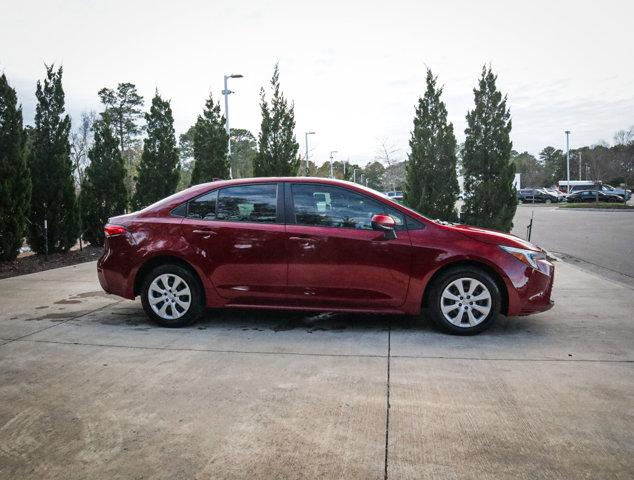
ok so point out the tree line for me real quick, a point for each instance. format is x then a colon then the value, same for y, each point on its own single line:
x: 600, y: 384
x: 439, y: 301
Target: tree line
x: 118, y: 160
x: 124, y: 158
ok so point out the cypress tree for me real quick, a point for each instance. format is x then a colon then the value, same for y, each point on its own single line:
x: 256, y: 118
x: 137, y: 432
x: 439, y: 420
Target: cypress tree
x: 159, y: 169
x: 490, y: 197
x: 123, y: 111
x: 431, y: 181
x: 278, y: 147
x: 210, y: 145
x: 103, y: 192
x: 15, y: 183
x: 53, y: 190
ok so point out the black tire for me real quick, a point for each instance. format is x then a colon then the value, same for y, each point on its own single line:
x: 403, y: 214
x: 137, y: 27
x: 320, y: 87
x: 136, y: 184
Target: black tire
x: 446, y: 278
x: 197, y: 303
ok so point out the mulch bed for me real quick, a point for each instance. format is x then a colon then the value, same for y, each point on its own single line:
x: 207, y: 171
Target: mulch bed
x: 30, y: 263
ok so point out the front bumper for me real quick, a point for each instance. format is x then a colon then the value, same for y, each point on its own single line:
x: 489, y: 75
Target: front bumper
x: 536, y: 294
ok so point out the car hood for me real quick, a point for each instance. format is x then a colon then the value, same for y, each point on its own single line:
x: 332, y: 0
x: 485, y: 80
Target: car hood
x: 492, y: 237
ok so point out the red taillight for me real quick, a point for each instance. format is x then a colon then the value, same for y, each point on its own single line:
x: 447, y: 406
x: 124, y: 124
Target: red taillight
x: 113, y: 230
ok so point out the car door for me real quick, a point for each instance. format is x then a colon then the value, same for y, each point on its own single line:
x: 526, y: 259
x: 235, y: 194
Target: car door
x: 335, y: 257
x: 238, y: 236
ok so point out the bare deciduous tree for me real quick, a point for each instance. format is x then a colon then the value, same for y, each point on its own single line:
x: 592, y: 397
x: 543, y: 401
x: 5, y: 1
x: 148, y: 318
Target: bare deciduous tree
x: 624, y: 137
x: 81, y: 141
x: 387, y: 153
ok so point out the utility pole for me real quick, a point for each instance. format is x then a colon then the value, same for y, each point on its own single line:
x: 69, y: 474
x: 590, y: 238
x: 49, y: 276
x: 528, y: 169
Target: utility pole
x: 226, y: 92
x: 332, y: 172
x: 306, y: 135
x: 354, y: 175
x: 568, y: 159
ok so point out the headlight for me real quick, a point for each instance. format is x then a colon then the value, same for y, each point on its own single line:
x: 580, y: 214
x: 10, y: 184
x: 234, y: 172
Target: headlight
x: 536, y: 260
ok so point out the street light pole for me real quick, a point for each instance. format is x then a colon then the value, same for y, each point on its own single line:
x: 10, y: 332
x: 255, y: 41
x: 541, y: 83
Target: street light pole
x: 226, y: 92
x: 568, y: 159
x: 306, y: 135
x: 332, y: 172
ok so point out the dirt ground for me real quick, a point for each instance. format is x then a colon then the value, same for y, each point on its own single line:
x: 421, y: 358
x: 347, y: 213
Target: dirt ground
x: 31, y: 263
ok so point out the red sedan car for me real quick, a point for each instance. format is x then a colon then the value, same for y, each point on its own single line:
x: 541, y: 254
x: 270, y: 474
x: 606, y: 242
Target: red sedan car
x: 316, y: 244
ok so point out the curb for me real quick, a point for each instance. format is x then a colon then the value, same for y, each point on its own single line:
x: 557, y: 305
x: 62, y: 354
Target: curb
x: 597, y: 209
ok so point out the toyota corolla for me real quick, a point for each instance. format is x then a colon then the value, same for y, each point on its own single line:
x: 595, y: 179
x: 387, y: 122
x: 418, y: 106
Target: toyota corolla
x: 316, y: 244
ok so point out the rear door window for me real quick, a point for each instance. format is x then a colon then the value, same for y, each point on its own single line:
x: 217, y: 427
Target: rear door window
x: 248, y: 203
x: 203, y: 207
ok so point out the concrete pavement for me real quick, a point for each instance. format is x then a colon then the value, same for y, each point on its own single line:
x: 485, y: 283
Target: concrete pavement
x: 90, y: 389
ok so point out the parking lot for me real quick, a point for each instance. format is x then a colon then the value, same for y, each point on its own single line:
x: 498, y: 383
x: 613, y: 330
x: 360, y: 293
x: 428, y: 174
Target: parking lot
x: 598, y: 241
x: 90, y: 389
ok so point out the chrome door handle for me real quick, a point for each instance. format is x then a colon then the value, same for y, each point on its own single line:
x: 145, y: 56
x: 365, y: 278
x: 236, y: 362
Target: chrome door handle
x: 205, y: 232
x: 302, y: 239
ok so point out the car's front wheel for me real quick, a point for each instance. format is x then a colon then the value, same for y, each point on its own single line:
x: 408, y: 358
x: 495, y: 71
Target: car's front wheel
x: 464, y: 301
x: 172, y: 296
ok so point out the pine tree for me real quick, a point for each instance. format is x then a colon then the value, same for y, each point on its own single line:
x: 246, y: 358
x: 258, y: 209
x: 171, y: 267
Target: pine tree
x: 159, y: 168
x: 431, y: 181
x: 103, y: 192
x: 15, y: 183
x: 124, y: 112
x: 490, y: 197
x: 53, y: 189
x: 278, y: 147
x: 243, y: 151
x: 210, y: 145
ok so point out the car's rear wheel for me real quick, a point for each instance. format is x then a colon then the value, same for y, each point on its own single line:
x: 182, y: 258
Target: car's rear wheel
x: 464, y: 301
x: 172, y: 296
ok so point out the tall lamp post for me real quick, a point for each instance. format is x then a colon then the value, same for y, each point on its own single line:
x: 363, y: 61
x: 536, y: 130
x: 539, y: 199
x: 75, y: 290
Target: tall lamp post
x: 226, y: 92
x: 332, y: 172
x: 568, y: 159
x: 306, y: 135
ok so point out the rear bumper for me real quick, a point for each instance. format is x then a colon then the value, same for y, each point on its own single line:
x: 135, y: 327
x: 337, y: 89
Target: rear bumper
x: 112, y: 278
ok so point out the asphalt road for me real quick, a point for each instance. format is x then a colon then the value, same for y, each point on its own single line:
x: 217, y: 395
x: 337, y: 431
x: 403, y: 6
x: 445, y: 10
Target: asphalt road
x: 600, y: 241
x: 90, y: 389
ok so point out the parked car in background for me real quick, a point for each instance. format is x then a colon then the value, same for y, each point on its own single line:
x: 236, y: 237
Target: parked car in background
x: 593, y: 196
x: 559, y: 194
x: 397, y: 196
x: 627, y: 194
x: 536, y: 195
x: 316, y: 244
x: 581, y: 185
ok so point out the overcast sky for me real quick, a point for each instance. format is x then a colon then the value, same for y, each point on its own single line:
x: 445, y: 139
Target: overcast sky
x: 353, y: 68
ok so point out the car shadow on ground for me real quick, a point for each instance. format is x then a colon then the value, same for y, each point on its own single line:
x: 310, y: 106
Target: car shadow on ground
x: 311, y: 322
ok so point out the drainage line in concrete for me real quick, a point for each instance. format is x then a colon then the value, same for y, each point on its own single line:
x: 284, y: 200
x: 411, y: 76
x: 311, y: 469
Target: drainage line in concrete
x: 387, y: 412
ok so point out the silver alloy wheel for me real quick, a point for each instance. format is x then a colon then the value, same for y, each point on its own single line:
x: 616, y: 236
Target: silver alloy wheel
x: 465, y: 302
x: 169, y: 296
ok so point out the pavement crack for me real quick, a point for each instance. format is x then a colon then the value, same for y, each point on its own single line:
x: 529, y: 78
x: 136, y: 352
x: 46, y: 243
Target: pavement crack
x: 314, y: 354
x: 387, y: 403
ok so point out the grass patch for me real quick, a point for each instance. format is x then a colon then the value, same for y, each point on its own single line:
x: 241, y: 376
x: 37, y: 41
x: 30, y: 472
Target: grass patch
x: 599, y: 206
